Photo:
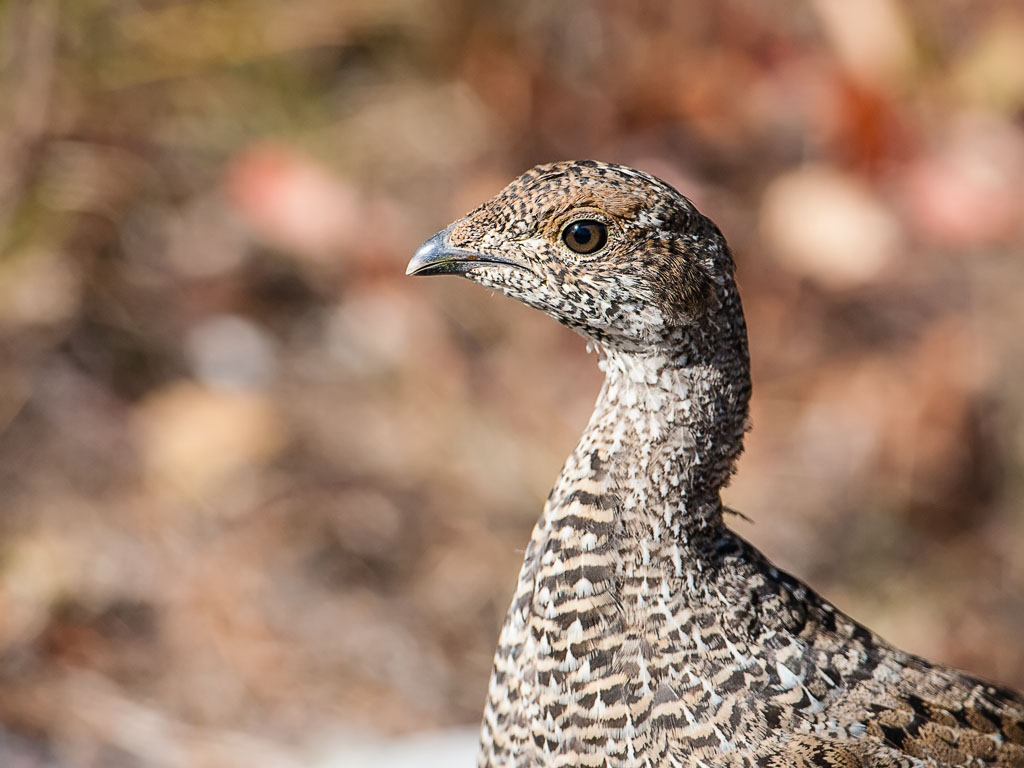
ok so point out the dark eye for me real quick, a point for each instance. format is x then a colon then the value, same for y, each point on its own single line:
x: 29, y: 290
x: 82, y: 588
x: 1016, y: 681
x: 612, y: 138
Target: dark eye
x: 585, y: 236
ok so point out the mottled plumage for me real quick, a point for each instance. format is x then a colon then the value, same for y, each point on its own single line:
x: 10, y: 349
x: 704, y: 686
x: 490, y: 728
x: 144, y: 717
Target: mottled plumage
x: 643, y: 632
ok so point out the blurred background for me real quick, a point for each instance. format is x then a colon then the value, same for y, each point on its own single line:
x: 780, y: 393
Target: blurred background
x: 262, y: 496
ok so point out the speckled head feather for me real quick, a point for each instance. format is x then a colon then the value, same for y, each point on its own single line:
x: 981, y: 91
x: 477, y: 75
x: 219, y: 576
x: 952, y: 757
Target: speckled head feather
x: 643, y: 632
x: 659, y: 298
x: 657, y: 271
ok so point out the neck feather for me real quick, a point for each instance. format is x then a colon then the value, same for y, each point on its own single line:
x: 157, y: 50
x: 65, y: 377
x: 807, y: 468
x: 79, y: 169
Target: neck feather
x: 666, y: 432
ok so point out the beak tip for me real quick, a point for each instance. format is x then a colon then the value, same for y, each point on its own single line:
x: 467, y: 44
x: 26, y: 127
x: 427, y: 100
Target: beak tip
x: 426, y: 255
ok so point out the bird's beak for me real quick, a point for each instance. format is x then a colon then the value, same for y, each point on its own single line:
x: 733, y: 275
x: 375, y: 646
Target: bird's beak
x: 438, y: 257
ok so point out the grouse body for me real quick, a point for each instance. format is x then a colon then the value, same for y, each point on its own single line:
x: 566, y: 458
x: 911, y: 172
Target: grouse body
x: 643, y: 632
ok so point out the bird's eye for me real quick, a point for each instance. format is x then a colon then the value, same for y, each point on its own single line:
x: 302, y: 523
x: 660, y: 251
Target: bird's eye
x: 585, y: 236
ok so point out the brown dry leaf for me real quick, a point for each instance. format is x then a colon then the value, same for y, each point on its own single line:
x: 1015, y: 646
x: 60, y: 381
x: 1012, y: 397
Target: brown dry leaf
x: 872, y: 38
x: 992, y: 73
x: 38, y: 288
x: 829, y: 226
x: 194, y: 438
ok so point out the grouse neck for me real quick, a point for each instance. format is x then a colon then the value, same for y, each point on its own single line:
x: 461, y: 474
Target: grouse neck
x: 669, y: 426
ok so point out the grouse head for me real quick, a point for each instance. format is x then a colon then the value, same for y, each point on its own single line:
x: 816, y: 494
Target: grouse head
x: 614, y: 253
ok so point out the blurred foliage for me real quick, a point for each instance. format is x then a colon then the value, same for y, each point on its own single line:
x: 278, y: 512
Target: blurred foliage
x: 258, y: 488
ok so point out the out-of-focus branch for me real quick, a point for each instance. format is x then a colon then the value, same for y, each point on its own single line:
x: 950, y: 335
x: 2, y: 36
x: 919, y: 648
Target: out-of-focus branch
x: 28, y: 50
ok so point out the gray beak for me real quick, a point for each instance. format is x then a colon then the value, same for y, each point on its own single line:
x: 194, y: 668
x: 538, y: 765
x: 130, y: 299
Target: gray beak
x: 438, y: 257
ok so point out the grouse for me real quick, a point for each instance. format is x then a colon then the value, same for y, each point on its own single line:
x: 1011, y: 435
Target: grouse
x: 643, y: 632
